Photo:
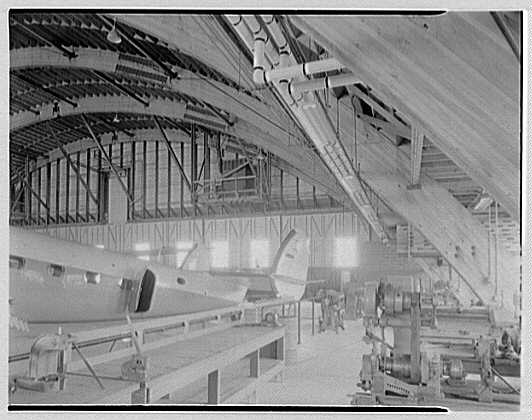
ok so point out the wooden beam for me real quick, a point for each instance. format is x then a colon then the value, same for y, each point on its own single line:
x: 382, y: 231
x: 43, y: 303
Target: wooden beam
x: 133, y: 179
x: 88, y: 182
x: 44, y: 89
x: 416, y: 154
x: 144, y: 178
x: 139, y: 47
x: 257, y: 122
x: 408, y: 76
x: 79, y: 178
x: 107, y: 159
x: 213, y: 387
x: 16, y: 199
x: 156, y: 180
x: 169, y: 183
x: 499, y: 20
x: 37, y: 196
x: 57, y: 189
x: 66, y: 52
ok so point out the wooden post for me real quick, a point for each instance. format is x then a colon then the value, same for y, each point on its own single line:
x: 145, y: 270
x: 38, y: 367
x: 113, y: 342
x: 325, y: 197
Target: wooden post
x: 298, y: 322
x: 279, y: 349
x: 57, y: 188
x: 88, y: 183
x: 156, y: 186
x: 313, y: 316
x: 254, y: 364
x: 144, y: 179
x: 133, y: 179
x: 169, y: 184
x: 67, y: 191
x: 213, y: 387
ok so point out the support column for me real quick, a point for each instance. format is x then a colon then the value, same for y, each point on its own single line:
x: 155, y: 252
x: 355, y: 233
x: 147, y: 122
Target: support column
x: 213, y: 387
x: 254, y: 364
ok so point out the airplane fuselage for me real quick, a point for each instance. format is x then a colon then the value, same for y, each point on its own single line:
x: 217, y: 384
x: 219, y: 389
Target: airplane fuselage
x: 61, y: 281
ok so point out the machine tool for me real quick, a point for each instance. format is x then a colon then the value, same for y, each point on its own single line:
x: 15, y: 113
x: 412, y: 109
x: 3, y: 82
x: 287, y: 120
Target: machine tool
x: 436, y: 353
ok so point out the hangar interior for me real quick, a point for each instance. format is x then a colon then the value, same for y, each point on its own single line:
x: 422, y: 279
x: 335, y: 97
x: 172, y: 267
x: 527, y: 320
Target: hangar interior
x: 338, y: 197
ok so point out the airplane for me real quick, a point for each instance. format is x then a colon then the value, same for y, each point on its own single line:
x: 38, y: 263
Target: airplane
x: 58, y: 281
x: 287, y: 276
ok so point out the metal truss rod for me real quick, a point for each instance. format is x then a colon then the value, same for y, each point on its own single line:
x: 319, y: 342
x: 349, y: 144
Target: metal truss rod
x: 144, y: 51
x: 65, y: 51
x: 17, y: 199
x: 45, y: 89
x: 107, y: 159
x: 227, y: 120
x: 110, y: 126
x: 75, y: 168
x: 172, y: 153
x: 121, y: 88
x: 37, y: 196
x: 246, y: 155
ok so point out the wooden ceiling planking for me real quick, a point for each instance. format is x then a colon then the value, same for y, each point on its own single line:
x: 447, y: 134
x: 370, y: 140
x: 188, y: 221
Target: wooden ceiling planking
x: 481, y: 141
x: 185, y: 33
x: 474, y: 49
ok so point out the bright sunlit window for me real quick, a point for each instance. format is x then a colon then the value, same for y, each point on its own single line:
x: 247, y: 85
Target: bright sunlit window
x: 346, y: 252
x: 143, y: 246
x: 219, y: 254
x: 259, y: 255
x: 183, y: 248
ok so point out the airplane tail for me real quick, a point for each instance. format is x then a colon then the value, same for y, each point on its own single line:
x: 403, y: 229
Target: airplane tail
x: 290, y: 265
x: 197, y: 259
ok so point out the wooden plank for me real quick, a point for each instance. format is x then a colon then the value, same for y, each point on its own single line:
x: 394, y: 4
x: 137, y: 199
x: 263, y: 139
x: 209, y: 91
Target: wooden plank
x: 213, y: 387
x: 253, y: 385
x: 189, y: 372
x: 416, y: 154
x: 445, y: 104
x: 254, y: 364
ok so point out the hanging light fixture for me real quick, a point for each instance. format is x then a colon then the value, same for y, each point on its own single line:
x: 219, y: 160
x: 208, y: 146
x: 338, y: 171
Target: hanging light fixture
x: 113, y: 35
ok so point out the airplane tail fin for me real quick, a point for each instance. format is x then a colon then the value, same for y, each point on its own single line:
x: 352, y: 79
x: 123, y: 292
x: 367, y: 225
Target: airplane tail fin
x: 197, y: 259
x: 290, y: 265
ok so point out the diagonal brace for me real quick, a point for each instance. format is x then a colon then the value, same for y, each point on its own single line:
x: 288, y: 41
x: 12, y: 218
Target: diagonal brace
x: 75, y: 168
x: 172, y: 153
x: 107, y: 158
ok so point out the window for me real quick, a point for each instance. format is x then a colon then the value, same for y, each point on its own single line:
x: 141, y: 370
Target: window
x: 100, y: 246
x: 259, y: 255
x: 16, y: 262
x: 92, y: 278
x: 182, y: 250
x: 56, y: 270
x: 220, y: 254
x: 346, y: 252
x: 142, y: 246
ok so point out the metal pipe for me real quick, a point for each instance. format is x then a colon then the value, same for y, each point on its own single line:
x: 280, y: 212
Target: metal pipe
x: 303, y: 70
x: 315, y: 124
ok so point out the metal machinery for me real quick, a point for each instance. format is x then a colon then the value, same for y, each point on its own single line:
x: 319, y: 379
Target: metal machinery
x: 439, y: 353
x: 332, y: 305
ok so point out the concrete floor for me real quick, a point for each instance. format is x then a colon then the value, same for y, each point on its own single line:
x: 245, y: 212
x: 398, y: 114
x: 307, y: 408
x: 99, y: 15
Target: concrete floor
x: 327, y: 367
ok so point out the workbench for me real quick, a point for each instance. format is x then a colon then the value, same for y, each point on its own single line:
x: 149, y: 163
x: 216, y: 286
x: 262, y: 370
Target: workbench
x: 227, y: 361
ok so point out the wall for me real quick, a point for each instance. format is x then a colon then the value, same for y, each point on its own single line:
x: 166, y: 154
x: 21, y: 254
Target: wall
x: 320, y: 228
